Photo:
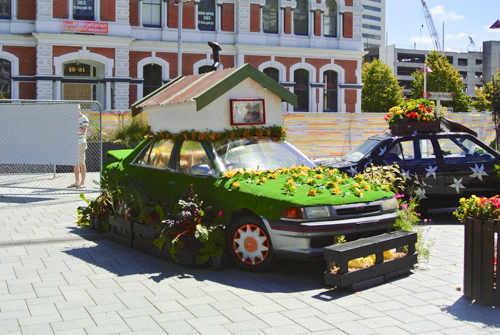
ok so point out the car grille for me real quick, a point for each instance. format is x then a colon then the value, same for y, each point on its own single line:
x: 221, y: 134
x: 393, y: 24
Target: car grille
x: 357, y: 210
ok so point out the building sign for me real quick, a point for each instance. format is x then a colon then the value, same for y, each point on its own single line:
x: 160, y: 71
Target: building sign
x: 440, y: 96
x: 83, y: 9
x: 76, y: 69
x: 84, y: 27
x: 206, y: 15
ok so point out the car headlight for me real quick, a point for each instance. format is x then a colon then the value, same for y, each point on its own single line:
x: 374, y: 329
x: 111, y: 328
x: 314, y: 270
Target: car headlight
x: 314, y: 212
x: 389, y: 204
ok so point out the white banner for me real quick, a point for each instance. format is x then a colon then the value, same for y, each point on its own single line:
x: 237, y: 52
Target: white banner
x: 28, y: 135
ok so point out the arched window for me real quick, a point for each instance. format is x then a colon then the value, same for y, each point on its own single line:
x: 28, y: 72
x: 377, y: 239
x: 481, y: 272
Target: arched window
x: 4, y: 9
x: 300, y: 21
x: 270, y: 16
x: 206, y: 15
x: 330, y: 19
x: 151, y: 13
x: 301, y: 89
x: 273, y: 73
x: 5, y: 78
x: 330, y: 93
x: 153, y: 80
x: 205, y: 69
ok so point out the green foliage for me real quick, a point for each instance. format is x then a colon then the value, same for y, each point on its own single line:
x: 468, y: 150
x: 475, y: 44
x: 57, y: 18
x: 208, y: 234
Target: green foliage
x: 389, y: 175
x: 132, y: 132
x: 381, y: 89
x: 444, y: 78
x: 488, y: 96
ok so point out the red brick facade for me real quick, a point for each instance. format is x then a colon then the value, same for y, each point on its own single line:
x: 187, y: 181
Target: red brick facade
x: 287, y: 62
x: 132, y: 94
x: 27, y: 58
x: 348, y: 21
x: 350, y: 67
x: 256, y: 60
x: 348, y: 3
x: 227, y: 19
x: 187, y: 15
x: 108, y: 10
x: 134, y: 12
x: 254, y: 17
x: 26, y: 9
x: 350, y: 100
x: 288, y: 21
x: 317, y: 23
x: 27, y: 91
x: 134, y: 57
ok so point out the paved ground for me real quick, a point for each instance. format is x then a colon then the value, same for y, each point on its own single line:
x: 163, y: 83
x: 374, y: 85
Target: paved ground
x: 52, y: 280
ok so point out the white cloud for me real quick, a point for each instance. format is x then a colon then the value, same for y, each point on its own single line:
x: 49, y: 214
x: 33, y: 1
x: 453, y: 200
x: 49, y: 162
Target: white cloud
x: 459, y: 36
x: 424, y: 40
x: 440, y: 13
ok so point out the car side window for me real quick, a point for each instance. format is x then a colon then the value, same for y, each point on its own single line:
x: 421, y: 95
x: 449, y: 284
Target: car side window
x: 394, y: 155
x: 192, y: 155
x: 462, y: 150
x: 157, y: 156
x: 418, y: 152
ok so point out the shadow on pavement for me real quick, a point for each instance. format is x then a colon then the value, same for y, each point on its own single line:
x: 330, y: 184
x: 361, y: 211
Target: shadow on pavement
x: 466, y: 310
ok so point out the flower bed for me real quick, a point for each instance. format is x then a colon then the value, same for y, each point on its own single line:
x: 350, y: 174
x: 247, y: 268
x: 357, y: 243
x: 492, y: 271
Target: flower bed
x: 413, y: 115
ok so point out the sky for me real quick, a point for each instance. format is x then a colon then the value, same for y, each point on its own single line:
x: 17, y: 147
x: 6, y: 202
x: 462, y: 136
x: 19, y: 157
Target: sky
x: 462, y: 18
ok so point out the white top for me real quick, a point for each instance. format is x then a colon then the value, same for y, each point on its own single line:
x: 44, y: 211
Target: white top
x: 83, y: 121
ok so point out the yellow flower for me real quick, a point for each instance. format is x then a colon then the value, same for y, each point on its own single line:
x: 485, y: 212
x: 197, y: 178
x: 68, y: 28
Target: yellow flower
x: 318, y: 176
x: 336, y: 190
x: 257, y: 181
x: 310, y: 181
x: 293, y: 187
x: 290, y: 182
x: 236, y: 185
x: 462, y: 199
x: 230, y: 174
x: 294, y: 175
x: 303, y: 174
x: 263, y: 180
x: 311, y: 192
x: 258, y: 172
x: 273, y: 176
x: 272, y: 170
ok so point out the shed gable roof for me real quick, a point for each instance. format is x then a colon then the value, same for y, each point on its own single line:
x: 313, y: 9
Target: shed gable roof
x: 207, y: 87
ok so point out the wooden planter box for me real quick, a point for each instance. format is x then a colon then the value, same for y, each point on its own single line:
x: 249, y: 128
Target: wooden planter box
x: 120, y: 231
x: 144, y: 237
x: 419, y: 126
x: 379, y: 273
x: 481, y: 278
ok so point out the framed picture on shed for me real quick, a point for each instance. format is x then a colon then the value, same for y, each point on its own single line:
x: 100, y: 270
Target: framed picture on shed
x: 247, y: 111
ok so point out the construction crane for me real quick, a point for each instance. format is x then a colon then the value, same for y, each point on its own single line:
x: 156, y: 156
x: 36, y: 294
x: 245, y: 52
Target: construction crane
x: 430, y: 25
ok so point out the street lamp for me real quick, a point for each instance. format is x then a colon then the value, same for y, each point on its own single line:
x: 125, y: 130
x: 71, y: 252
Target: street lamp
x: 179, y: 35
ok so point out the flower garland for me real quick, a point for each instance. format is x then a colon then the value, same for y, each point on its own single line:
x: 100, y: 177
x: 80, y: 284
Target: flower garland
x: 209, y: 135
x: 318, y: 180
x: 412, y: 111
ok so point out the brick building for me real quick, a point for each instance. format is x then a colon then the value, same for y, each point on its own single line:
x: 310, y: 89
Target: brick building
x: 117, y: 51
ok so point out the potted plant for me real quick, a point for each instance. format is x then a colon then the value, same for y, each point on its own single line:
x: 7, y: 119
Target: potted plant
x: 413, y: 115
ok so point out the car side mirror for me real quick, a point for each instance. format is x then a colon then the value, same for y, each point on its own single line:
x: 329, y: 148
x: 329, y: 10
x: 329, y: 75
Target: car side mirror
x: 201, y: 170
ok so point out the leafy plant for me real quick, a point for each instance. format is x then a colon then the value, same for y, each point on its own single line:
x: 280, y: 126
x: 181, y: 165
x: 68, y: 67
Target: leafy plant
x: 213, y: 238
x: 132, y: 132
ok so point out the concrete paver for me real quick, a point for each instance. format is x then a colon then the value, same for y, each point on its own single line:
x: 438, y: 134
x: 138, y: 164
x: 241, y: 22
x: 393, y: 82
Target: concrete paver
x: 56, y: 278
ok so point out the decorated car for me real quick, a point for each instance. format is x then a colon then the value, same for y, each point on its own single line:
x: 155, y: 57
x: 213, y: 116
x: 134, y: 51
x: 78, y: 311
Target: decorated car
x: 441, y: 160
x: 223, y: 132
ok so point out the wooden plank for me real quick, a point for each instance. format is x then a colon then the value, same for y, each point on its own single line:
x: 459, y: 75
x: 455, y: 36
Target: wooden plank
x: 487, y: 250
x: 468, y: 257
x: 477, y: 238
x: 377, y: 270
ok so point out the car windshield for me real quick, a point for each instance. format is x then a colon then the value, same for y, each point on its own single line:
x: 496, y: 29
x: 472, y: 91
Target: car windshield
x: 361, y: 151
x: 261, y: 153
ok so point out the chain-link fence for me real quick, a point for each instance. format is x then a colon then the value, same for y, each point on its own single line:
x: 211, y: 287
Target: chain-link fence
x: 39, y: 146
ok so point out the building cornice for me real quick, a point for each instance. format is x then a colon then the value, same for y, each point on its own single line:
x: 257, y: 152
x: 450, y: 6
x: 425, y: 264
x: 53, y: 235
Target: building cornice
x: 83, y: 40
x: 17, y: 39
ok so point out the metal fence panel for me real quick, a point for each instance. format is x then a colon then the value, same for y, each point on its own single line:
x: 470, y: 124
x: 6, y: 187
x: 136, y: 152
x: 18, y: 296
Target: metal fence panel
x: 40, y: 134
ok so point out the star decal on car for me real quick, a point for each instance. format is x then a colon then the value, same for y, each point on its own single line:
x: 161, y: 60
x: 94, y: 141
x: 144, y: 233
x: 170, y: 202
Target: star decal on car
x: 353, y: 171
x: 406, y: 174
x: 414, y: 133
x: 431, y: 171
x: 420, y: 193
x: 368, y: 163
x: 382, y: 151
x: 457, y: 185
x: 478, y: 172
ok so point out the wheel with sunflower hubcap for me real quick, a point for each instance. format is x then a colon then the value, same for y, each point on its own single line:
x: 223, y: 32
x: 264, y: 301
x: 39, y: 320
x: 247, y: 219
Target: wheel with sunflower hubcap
x: 249, y: 246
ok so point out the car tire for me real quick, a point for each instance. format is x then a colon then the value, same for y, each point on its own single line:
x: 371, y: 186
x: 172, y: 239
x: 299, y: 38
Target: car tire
x: 248, y: 245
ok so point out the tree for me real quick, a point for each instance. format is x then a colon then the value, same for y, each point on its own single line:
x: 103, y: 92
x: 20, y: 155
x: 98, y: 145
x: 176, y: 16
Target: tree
x: 488, y: 98
x: 381, y: 90
x: 443, y: 78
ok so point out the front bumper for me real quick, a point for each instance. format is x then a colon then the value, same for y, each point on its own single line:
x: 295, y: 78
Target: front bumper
x: 307, y: 240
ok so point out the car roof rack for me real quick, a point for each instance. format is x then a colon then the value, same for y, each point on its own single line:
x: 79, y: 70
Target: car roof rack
x: 456, y: 127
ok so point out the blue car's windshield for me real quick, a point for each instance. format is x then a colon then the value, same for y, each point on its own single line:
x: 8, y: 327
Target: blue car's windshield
x: 361, y: 151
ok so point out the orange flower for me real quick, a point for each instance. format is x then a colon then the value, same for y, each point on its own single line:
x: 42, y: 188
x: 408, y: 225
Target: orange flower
x: 200, y: 136
x: 154, y: 137
x: 246, y: 133
x: 212, y: 136
x: 311, y: 192
x: 167, y: 136
x: 162, y: 134
x: 218, y: 135
x: 258, y: 132
x: 268, y: 132
x: 232, y: 134
x: 174, y: 137
x: 193, y: 135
